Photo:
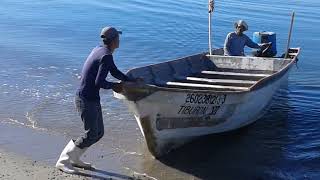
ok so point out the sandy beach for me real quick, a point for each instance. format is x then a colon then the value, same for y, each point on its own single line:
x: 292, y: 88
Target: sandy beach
x: 27, y: 154
x: 13, y: 166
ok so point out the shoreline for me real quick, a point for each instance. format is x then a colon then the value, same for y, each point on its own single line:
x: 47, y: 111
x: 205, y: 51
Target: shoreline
x: 13, y: 166
x: 30, y: 155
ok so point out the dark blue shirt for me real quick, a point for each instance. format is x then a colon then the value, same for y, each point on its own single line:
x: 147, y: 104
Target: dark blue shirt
x: 234, y: 44
x: 95, y: 70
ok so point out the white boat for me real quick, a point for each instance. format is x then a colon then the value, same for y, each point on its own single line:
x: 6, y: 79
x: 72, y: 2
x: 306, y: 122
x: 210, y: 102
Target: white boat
x: 202, y: 94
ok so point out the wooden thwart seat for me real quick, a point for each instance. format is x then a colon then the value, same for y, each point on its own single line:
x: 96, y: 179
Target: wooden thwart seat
x: 209, y: 86
x: 234, y: 81
x: 293, y: 54
x: 234, y: 74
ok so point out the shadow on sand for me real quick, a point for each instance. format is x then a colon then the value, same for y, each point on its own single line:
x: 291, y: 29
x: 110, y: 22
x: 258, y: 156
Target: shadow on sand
x: 103, y: 175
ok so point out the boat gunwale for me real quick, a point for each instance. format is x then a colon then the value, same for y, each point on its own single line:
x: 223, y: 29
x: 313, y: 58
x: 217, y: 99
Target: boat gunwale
x: 269, y: 79
x: 259, y: 84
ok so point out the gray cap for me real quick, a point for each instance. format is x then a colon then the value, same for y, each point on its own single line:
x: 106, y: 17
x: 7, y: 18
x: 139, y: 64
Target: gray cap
x: 241, y: 23
x: 109, y: 33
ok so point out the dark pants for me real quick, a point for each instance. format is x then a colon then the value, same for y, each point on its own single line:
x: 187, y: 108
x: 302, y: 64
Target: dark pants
x: 91, y: 115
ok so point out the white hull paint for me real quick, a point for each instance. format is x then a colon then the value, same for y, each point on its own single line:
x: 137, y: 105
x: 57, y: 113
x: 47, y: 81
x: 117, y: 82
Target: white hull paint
x: 170, y: 118
x: 237, y: 111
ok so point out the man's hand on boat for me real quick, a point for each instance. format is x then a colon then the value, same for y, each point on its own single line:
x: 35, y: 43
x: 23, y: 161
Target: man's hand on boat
x: 265, y: 45
x: 117, y: 87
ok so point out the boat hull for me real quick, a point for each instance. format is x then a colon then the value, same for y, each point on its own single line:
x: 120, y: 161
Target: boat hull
x: 198, y: 95
x: 169, y: 119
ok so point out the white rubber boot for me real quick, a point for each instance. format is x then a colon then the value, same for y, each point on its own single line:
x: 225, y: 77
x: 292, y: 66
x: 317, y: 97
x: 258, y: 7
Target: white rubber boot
x: 64, y: 163
x: 75, y: 158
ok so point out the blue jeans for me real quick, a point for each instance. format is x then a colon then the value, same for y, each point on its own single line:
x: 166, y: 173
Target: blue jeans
x: 91, y: 115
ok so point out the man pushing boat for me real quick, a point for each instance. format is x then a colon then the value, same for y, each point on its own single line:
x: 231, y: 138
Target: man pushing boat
x: 95, y: 70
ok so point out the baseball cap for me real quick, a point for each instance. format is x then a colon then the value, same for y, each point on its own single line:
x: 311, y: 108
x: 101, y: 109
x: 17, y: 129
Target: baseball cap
x: 109, y: 33
x: 241, y: 23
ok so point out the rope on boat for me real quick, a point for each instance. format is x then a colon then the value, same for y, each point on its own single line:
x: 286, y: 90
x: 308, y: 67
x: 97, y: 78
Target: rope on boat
x: 211, y: 6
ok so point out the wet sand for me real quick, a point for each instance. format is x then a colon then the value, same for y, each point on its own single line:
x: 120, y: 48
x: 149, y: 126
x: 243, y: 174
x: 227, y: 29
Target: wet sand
x: 13, y: 166
x: 28, y: 154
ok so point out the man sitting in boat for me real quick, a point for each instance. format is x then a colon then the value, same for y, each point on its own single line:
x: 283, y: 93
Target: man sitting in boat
x: 235, y: 41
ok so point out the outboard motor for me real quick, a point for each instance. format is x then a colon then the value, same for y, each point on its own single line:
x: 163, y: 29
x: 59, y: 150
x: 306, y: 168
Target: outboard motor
x: 265, y: 37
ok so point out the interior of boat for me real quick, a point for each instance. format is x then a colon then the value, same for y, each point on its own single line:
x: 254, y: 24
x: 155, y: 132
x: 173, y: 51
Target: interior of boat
x: 214, y: 72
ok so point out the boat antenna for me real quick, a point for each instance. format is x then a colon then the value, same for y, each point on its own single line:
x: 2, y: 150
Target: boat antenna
x: 211, y: 8
x: 289, y: 36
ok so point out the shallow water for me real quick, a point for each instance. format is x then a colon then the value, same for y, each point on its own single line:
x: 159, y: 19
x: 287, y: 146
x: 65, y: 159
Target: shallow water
x: 44, y: 44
